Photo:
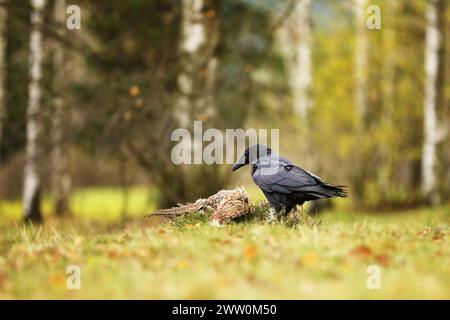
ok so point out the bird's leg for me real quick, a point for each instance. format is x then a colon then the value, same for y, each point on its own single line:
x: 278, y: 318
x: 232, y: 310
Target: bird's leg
x: 293, y: 217
x: 298, y: 216
x: 299, y: 213
x: 271, y: 216
x: 284, y: 214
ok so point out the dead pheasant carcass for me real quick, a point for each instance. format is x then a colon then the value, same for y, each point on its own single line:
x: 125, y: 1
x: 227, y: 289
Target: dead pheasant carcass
x: 225, y: 206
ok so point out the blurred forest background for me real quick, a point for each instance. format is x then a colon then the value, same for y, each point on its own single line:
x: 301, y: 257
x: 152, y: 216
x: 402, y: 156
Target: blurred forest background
x: 86, y: 114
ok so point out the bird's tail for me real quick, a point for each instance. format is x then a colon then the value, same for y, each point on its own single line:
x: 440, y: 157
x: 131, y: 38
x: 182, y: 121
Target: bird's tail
x: 326, y: 190
x: 335, y: 191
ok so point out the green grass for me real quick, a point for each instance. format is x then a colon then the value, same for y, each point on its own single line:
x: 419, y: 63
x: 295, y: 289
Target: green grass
x: 92, y: 204
x: 188, y: 259
x: 102, y: 205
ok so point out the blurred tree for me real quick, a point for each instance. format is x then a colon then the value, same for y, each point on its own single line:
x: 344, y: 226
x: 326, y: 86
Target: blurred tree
x: 360, y: 97
x: 297, y: 41
x: 60, y: 173
x: 136, y: 76
x: 434, y: 97
x: 16, y: 85
x: 445, y: 150
x: 196, y: 84
x: 126, y: 105
x: 360, y: 67
x: 388, y: 67
x: 3, y: 40
x: 198, y: 62
x: 32, y: 171
x: 135, y: 100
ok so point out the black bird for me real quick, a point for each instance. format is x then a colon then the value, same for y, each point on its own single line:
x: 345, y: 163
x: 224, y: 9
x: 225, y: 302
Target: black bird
x: 284, y: 184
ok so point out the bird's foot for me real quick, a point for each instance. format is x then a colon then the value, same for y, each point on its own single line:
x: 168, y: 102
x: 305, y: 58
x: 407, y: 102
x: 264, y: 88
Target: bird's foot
x: 291, y: 219
x: 295, y: 217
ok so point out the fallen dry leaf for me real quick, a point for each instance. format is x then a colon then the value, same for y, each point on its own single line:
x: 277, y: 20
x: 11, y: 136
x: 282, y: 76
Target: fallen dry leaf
x: 362, y: 250
x: 58, y: 279
x: 250, y: 252
x: 383, y: 259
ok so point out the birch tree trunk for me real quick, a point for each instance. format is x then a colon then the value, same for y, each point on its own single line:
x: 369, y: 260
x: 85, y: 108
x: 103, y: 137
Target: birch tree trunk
x: 360, y: 62
x: 3, y: 40
x: 32, y: 174
x: 297, y: 41
x: 196, y: 87
x: 434, y: 86
x: 198, y: 63
x: 61, y: 178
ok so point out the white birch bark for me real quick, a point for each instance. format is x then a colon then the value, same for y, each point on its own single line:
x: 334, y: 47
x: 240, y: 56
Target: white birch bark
x: 61, y: 181
x: 199, y: 36
x: 433, y: 54
x: 3, y: 40
x: 32, y: 175
x: 297, y: 42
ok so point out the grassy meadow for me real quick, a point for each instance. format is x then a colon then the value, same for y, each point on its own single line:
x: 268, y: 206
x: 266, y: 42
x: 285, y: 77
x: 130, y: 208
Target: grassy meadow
x: 322, y: 257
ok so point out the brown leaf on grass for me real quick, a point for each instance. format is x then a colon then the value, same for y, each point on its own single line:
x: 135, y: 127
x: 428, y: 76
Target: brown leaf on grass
x: 114, y: 253
x: 58, y: 279
x: 250, y: 252
x: 51, y: 253
x: 383, y: 259
x: 366, y: 252
x: 362, y: 250
x: 3, y: 279
x: 57, y: 253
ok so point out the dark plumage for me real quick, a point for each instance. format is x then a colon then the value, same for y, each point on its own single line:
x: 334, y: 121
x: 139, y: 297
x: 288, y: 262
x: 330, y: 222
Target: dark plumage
x: 284, y: 184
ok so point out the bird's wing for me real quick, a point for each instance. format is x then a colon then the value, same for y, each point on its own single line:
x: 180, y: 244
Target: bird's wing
x: 283, y: 178
x: 281, y: 159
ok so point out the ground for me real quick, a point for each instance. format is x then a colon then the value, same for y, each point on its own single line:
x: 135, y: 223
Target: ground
x: 324, y: 257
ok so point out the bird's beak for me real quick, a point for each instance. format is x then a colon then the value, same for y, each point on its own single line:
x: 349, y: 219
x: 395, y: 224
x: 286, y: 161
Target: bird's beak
x: 239, y: 163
